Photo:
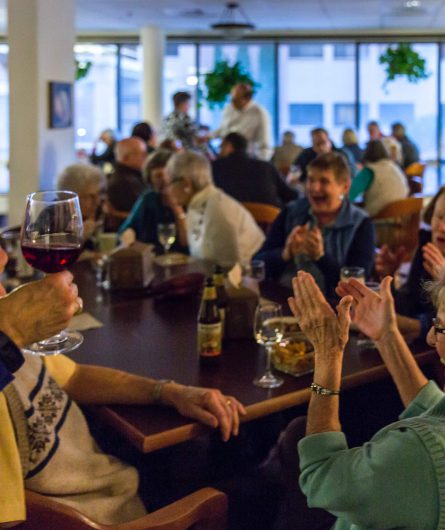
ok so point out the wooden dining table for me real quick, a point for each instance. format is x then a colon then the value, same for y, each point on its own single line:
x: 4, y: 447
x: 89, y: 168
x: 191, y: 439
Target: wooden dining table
x: 157, y: 338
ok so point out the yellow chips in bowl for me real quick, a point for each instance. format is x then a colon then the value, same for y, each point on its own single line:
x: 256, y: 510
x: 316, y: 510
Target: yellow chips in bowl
x: 293, y: 355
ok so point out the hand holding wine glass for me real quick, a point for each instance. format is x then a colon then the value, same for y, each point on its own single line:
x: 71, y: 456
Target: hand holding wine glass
x: 268, y: 330
x: 51, y: 241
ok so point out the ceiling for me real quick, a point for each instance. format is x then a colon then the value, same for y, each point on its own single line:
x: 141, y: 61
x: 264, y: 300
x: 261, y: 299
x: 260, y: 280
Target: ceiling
x: 192, y: 16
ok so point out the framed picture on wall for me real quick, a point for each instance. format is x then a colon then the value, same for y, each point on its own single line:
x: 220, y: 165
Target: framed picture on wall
x: 60, y: 105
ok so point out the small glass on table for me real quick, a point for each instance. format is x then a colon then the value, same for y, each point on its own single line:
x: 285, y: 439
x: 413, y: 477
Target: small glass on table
x: 346, y: 273
x: 166, y: 236
x: 268, y: 330
x: 51, y: 241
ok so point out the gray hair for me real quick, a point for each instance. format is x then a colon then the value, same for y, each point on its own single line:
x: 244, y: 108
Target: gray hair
x: 192, y: 166
x: 78, y: 176
x: 436, y: 291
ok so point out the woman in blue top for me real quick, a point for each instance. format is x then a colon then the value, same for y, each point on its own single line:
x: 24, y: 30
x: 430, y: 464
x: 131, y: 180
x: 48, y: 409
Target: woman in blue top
x: 157, y: 205
x: 322, y: 232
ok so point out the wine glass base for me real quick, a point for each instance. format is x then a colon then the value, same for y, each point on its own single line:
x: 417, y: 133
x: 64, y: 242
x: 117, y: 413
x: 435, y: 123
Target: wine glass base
x: 64, y: 342
x: 268, y: 381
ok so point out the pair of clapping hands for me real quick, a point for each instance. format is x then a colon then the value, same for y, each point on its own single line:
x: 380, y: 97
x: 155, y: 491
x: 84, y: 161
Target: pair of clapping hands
x: 388, y: 261
x: 373, y: 313
x: 304, y: 240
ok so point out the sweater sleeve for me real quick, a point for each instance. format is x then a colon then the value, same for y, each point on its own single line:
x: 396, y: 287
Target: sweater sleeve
x: 427, y: 397
x: 12, y: 494
x: 272, y: 248
x: 361, y: 183
x: 359, y: 485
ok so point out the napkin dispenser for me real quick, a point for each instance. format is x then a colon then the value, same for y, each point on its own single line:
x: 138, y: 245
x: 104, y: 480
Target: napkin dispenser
x: 242, y: 302
x: 131, y: 267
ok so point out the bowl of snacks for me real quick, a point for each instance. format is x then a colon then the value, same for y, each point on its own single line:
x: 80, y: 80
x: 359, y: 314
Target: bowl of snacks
x: 294, y: 355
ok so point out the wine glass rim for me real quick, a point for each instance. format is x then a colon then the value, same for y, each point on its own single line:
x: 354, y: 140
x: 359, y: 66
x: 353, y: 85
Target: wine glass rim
x: 263, y: 305
x: 39, y: 196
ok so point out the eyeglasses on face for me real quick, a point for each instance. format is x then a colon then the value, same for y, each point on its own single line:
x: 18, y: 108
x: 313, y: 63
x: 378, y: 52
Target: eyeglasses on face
x: 438, y: 328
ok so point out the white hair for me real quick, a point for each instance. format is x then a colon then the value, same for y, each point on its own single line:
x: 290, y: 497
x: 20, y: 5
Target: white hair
x: 192, y: 166
x: 77, y: 177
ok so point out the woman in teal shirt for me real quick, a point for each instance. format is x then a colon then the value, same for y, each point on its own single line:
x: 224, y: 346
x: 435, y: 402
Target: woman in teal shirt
x: 397, y: 480
x: 156, y: 206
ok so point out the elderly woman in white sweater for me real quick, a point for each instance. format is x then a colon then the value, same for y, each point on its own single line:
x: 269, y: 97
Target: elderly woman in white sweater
x: 219, y: 228
x: 381, y: 181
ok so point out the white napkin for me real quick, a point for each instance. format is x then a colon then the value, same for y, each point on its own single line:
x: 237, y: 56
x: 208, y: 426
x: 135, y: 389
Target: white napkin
x: 83, y: 322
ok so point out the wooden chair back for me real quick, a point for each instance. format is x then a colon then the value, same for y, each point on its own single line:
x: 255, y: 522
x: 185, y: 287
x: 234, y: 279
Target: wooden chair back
x: 397, y: 224
x: 414, y: 174
x: 113, y: 218
x: 264, y: 214
x: 205, y: 509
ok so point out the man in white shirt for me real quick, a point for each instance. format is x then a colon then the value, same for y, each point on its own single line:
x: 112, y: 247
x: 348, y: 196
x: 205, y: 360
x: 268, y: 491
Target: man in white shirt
x: 244, y: 116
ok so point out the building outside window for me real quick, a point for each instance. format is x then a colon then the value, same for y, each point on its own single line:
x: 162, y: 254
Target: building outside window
x: 95, y: 96
x: 4, y: 119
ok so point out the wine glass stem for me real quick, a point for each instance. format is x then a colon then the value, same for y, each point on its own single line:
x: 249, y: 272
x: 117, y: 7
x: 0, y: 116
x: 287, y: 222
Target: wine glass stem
x: 268, y: 348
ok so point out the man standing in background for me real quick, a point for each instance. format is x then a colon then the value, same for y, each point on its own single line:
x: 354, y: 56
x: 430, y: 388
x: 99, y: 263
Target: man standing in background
x: 242, y: 115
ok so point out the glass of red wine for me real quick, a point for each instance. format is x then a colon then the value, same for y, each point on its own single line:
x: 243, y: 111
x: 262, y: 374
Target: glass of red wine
x: 51, y: 241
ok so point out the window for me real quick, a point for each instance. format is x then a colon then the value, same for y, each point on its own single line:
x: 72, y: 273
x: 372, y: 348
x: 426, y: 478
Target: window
x: 303, y: 51
x: 179, y: 75
x: 344, y: 51
x: 171, y: 49
x: 309, y: 90
x: 306, y: 114
x: 4, y: 119
x: 95, y: 95
x: 415, y: 105
x: 130, y: 101
x: 257, y: 59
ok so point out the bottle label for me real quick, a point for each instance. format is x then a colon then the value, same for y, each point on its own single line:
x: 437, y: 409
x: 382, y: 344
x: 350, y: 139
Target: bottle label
x: 209, y: 339
x: 222, y: 316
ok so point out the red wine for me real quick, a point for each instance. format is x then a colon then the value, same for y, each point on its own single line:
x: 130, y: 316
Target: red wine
x: 51, y: 256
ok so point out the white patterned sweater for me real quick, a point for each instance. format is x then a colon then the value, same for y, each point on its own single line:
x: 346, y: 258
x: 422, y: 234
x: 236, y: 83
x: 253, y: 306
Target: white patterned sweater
x: 59, y: 456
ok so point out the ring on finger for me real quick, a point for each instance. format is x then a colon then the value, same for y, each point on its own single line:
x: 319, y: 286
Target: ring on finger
x: 228, y: 402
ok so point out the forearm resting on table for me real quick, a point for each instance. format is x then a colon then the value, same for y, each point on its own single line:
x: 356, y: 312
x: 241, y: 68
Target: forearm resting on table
x: 323, y: 410
x: 98, y: 385
x: 401, y: 364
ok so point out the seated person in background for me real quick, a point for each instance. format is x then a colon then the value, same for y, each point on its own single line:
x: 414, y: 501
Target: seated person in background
x: 219, y: 228
x: 285, y: 154
x: 88, y: 182
x: 146, y: 133
x: 156, y: 205
x: 248, y: 179
x: 392, y: 146
x: 61, y: 459
x: 107, y: 156
x: 394, y: 480
x: 414, y: 309
x: 322, y: 232
x: 410, y: 152
x: 178, y: 125
x: 381, y: 180
x: 321, y: 144
x: 125, y: 184
x: 350, y: 143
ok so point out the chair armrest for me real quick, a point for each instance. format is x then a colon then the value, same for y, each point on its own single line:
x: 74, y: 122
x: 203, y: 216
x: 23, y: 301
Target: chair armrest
x: 205, y: 508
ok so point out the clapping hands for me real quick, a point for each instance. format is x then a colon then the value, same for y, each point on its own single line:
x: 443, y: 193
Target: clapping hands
x: 304, y: 240
x: 433, y: 261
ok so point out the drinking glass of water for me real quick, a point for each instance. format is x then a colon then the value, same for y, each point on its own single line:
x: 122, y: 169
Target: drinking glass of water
x: 166, y: 235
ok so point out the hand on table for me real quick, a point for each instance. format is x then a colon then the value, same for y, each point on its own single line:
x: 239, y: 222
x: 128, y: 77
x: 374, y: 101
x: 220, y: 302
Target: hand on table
x: 37, y: 310
x: 207, y: 405
x: 326, y: 330
x: 373, y: 313
x: 433, y: 261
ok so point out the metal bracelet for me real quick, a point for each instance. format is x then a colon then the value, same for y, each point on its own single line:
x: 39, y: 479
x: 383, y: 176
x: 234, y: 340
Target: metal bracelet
x: 322, y: 391
x: 156, y: 396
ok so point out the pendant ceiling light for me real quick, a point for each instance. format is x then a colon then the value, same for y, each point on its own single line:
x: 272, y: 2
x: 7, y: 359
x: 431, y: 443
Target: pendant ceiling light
x: 234, y: 22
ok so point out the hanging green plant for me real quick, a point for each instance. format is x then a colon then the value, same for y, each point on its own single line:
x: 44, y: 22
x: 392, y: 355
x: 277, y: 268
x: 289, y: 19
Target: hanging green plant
x: 82, y: 69
x: 221, y: 79
x: 401, y: 60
